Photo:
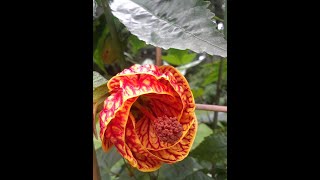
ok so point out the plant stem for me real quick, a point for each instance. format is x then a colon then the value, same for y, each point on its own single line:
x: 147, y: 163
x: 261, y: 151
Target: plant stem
x: 215, y: 118
x: 114, y: 34
x: 158, y: 56
x: 96, y: 171
x: 209, y: 107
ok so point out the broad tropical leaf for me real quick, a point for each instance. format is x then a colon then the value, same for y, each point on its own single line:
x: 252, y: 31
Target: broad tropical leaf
x: 172, y: 24
x: 213, y: 148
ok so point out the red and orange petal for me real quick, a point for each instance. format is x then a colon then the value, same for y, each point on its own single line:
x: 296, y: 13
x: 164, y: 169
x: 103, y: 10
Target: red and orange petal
x: 131, y: 88
x: 179, y: 151
x: 145, y: 161
x: 139, y: 80
x: 125, y: 88
x: 181, y: 86
x: 115, y: 129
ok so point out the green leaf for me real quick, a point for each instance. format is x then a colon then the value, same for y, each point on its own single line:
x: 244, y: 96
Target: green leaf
x: 179, y: 170
x: 178, y: 57
x: 203, y: 131
x: 118, y: 167
x: 198, y: 175
x: 176, y: 24
x: 99, y: 28
x: 138, y: 175
x: 213, y: 76
x: 100, y: 87
x: 197, y: 92
x: 97, y: 55
x: 107, y: 160
x: 136, y: 44
x: 213, y: 148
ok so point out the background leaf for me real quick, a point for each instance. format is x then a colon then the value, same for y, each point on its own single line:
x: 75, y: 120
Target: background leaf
x: 213, y: 148
x: 172, y: 24
x: 179, y: 57
x: 136, y: 44
x: 100, y: 87
x: 198, y: 175
x: 179, y: 170
x: 106, y: 161
x: 203, y: 131
x: 197, y: 92
x: 213, y: 77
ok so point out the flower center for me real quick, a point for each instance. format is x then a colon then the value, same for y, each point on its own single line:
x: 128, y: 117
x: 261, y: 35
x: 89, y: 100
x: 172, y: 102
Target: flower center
x: 168, y: 129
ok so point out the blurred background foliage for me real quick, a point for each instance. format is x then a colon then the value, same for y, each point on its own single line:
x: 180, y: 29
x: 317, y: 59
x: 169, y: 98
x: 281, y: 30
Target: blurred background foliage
x: 207, y: 77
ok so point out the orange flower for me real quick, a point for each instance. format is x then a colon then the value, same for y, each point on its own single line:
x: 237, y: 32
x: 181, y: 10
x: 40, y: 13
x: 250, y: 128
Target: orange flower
x: 149, y: 116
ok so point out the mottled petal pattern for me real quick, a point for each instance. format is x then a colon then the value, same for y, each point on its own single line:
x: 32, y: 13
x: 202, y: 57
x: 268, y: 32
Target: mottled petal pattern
x: 146, y: 103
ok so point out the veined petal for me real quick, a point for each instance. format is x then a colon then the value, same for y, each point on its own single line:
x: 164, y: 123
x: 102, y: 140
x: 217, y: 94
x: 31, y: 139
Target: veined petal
x: 111, y: 105
x: 162, y: 92
x: 181, y: 86
x: 145, y: 161
x: 179, y: 151
x: 133, y: 70
x: 116, y: 131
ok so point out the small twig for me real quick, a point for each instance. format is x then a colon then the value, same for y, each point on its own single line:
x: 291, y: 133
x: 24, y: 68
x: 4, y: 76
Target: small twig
x: 209, y: 107
x: 158, y: 56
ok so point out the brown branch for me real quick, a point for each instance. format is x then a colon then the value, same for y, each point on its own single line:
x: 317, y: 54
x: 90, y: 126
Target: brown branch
x: 96, y: 171
x: 158, y: 56
x: 209, y: 107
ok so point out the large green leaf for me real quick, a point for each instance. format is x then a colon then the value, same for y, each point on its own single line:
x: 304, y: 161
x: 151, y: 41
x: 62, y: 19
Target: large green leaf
x: 178, y: 57
x: 107, y: 160
x: 213, y: 148
x: 198, y: 175
x: 203, y: 131
x: 176, y: 24
x: 179, y: 170
x: 138, y: 175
